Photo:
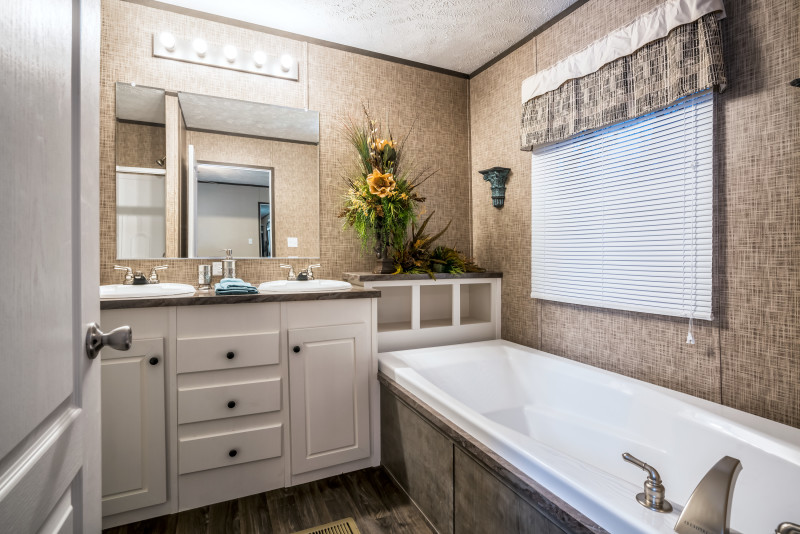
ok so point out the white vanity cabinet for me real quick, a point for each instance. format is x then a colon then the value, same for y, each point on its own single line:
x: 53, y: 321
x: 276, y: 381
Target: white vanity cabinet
x: 230, y: 414
x: 331, y: 377
x: 230, y: 409
x: 134, y: 411
x: 329, y: 384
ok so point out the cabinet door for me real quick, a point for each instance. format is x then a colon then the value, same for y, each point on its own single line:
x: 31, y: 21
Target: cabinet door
x: 134, y: 427
x: 329, y: 395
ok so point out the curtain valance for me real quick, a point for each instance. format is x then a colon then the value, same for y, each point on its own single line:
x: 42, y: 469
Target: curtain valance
x: 685, y: 60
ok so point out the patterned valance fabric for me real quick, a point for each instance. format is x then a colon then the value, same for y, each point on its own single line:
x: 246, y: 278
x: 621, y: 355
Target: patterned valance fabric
x: 687, y: 60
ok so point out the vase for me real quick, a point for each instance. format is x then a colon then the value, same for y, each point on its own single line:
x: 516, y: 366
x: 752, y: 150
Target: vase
x: 383, y: 263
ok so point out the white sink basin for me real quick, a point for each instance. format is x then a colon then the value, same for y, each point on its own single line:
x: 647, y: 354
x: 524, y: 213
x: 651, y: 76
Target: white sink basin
x: 119, y: 291
x: 296, y: 286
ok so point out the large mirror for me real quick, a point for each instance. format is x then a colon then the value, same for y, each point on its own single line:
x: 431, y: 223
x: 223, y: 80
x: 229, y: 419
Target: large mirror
x: 236, y: 175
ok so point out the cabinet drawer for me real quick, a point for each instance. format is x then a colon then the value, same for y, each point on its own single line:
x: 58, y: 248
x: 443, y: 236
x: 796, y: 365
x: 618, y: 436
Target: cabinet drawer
x: 209, y: 452
x: 228, y: 319
x: 229, y: 400
x: 226, y: 352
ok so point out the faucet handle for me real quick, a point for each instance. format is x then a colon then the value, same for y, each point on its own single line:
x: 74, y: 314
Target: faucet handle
x: 653, y: 474
x: 128, y: 274
x: 154, y: 273
x: 310, y: 270
x: 291, y: 275
x: 654, y: 492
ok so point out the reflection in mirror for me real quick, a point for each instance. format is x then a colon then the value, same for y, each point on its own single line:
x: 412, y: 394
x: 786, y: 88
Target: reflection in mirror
x: 141, y: 193
x: 168, y: 206
x: 234, y: 205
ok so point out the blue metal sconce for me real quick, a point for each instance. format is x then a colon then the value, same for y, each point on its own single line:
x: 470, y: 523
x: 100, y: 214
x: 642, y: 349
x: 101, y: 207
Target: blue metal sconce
x: 497, y: 177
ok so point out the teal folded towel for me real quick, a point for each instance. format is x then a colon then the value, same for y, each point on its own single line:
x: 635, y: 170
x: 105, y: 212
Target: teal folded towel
x: 233, y: 286
x: 229, y: 283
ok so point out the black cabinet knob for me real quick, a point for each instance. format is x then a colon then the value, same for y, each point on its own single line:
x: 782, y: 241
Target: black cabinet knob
x: 296, y: 348
x: 232, y: 453
x: 230, y: 355
x: 154, y: 360
x: 231, y: 404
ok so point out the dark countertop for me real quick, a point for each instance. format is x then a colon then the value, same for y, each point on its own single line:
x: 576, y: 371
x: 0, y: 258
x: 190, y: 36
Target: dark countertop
x: 357, y: 278
x: 208, y: 297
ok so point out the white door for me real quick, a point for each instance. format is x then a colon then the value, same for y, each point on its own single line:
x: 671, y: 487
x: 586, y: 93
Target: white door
x: 49, y: 143
x: 329, y: 395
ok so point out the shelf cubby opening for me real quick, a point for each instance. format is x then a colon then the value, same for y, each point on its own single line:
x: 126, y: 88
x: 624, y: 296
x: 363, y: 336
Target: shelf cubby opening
x: 476, y: 303
x: 435, y: 306
x: 394, y: 308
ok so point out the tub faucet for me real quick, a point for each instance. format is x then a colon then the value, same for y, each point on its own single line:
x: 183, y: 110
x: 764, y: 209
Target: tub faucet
x: 653, y: 496
x: 709, y: 508
x: 788, y: 528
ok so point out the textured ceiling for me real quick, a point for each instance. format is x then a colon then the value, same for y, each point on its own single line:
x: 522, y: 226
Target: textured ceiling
x: 459, y: 35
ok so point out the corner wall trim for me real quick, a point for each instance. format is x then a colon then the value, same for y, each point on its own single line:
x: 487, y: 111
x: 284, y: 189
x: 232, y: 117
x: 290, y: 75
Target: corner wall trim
x: 528, y: 37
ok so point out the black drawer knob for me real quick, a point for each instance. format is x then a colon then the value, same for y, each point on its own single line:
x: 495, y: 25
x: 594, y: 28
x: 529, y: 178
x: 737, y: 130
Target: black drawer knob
x: 232, y: 453
x: 230, y: 355
x: 296, y: 348
x: 154, y: 360
x: 231, y: 404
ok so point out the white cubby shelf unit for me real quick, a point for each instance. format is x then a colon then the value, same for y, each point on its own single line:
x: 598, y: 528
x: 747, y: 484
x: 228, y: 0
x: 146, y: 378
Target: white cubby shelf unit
x: 415, y: 311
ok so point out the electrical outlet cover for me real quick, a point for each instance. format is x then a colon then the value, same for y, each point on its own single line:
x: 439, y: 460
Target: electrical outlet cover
x: 216, y: 268
x: 292, y: 242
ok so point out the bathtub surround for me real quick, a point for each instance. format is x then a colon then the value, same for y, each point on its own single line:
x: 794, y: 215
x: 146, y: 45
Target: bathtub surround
x: 458, y: 482
x: 748, y: 356
x: 331, y: 81
x: 565, y: 425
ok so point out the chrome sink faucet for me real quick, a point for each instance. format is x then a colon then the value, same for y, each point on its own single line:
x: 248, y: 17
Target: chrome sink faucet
x: 708, y: 510
x: 788, y: 528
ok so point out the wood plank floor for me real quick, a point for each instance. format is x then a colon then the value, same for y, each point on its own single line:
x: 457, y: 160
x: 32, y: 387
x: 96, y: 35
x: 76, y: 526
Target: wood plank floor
x: 369, y: 496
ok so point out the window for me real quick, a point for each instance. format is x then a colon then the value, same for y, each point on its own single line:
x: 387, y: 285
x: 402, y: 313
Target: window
x: 622, y: 215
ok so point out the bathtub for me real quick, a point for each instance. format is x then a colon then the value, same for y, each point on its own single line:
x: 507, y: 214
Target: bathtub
x: 566, y: 425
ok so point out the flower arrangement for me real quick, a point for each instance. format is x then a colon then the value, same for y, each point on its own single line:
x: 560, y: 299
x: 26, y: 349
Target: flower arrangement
x: 381, y: 197
x: 381, y: 202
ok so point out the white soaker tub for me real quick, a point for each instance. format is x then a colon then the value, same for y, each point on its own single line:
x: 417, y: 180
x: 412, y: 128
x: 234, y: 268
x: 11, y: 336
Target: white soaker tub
x: 566, y: 425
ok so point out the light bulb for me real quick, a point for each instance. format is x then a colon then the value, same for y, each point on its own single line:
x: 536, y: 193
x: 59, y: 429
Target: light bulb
x: 259, y: 58
x: 167, y: 41
x: 230, y: 53
x: 200, y: 46
x: 286, y: 62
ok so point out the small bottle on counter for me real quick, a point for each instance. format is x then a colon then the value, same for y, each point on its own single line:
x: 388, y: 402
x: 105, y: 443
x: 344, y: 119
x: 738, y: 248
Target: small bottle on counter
x: 228, y: 264
x: 203, y: 277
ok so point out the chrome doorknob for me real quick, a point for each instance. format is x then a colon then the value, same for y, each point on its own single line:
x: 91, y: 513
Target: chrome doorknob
x: 118, y: 339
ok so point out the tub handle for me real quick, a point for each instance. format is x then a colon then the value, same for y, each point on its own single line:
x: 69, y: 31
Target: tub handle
x: 654, y: 492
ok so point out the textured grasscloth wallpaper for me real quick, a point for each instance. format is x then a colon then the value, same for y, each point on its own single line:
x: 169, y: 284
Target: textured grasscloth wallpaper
x: 749, y: 356
x: 331, y: 81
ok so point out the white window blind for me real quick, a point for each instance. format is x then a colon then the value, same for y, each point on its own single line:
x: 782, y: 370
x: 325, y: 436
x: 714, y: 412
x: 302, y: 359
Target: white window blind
x: 622, y: 215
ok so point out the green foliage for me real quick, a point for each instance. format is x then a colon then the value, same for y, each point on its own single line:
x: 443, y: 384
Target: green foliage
x: 415, y: 255
x: 381, y: 196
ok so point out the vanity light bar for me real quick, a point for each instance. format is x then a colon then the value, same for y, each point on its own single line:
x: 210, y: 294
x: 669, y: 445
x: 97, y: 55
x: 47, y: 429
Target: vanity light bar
x: 166, y: 45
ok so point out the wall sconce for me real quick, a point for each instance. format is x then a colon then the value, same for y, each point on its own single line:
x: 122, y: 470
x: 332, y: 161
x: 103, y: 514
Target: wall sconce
x: 497, y: 177
x: 167, y: 46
